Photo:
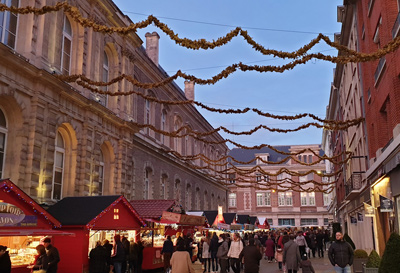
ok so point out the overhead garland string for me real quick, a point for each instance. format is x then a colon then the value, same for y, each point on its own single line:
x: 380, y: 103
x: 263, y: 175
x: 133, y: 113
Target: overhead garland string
x: 350, y: 55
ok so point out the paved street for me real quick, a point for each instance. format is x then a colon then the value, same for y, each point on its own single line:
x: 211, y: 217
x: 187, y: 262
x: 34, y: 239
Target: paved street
x: 321, y: 265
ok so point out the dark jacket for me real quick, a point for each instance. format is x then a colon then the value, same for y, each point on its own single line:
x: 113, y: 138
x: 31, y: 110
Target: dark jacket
x: 307, y: 267
x: 5, y: 263
x: 223, y: 250
x: 98, y: 260
x: 168, y: 247
x: 320, y: 239
x: 341, y: 253
x: 119, y: 254
x: 291, y: 255
x: 252, y: 257
x: 108, y: 247
x: 214, y: 244
x: 54, y: 259
x: 42, y: 262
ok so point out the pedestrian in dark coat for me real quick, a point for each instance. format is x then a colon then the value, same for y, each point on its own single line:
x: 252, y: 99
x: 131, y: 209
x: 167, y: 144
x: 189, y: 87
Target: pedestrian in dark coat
x: 320, y: 243
x: 306, y: 265
x: 98, y: 259
x: 42, y: 261
x: 126, y: 246
x: 134, y: 257
x: 222, y: 253
x: 270, y: 249
x: 52, y: 253
x: 252, y: 257
x: 108, y: 247
x: 118, y: 257
x: 213, y: 251
x: 5, y: 261
x: 291, y: 256
x: 341, y: 254
x: 167, y: 250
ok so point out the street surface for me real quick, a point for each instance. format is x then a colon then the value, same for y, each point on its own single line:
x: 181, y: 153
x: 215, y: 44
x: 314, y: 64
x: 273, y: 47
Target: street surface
x: 321, y: 265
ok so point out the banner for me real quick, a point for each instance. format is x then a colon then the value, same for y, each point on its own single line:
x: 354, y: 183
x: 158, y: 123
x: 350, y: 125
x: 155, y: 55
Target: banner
x: 360, y: 217
x: 386, y: 204
x: 369, y: 210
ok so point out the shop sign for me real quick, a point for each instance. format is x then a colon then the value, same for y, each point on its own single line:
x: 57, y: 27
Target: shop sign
x: 386, y: 204
x: 10, y: 215
x: 223, y: 226
x: 369, y: 210
x: 192, y: 220
x: 360, y: 217
x: 170, y: 216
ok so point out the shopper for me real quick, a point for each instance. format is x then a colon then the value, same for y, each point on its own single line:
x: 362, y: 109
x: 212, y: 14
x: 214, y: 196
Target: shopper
x: 252, y: 256
x: 42, y: 261
x: 341, y: 254
x: 320, y: 243
x: 180, y: 261
x: 5, y: 261
x: 222, y: 253
x: 270, y: 249
x: 108, y: 247
x: 98, y: 259
x: 279, y: 257
x: 305, y: 264
x: 166, y: 251
x: 52, y: 253
x: 206, y: 254
x: 301, y: 242
x: 235, y: 249
x: 118, y: 256
x: 126, y: 246
x: 291, y: 255
x: 213, y: 252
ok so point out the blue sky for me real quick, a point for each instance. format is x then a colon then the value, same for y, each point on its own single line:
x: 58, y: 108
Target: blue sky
x: 284, y: 25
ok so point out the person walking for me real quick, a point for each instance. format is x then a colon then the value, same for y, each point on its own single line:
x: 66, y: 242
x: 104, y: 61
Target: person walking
x: 341, y: 254
x: 118, y: 256
x: 222, y: 253
x: 291, y: 255
x: 206, y: 254
x: 312, y: 244
x: 279, y: 257
x: 108, y: 247
x: 98, y: 259
x: 234, y: 251
x: 213, y: 252
x: 252, y: 256
x: 42, y: 261
x: 320, y: 244
x: 5, y: 261
x: 52, y: 253
x: 180, y: 260
x: 166, y: 251
x: 270, y: 249
x: 301, y: 242
x: 126, y: 246
x: 306, y: 266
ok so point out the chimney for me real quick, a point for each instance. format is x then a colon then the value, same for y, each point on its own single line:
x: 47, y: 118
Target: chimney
x: 189, y: 90
x: 152, y: 41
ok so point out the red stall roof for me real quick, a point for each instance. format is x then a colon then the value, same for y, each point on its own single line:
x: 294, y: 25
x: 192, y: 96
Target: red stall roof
x: 11, y: 193
x: 96, y: 212
x: 151, y: 210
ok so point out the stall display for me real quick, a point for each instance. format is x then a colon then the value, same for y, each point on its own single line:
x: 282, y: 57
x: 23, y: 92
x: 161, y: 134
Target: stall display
x: 91, y: 219
x: 23, y: 224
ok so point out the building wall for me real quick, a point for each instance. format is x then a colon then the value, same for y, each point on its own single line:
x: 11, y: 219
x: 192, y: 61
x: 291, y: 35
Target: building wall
x: 246, y: 194
x: 97, y: 131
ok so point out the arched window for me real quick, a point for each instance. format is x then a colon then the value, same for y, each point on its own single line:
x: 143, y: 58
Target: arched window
x: 197, y: 199
x: 163, y: 125
x: 177, y: 190
x: 206, y: 207
x: 187, y: 197
x: 178, y: 140
x: 58, y: 170
x: 3, y: 141
x: 8, y: 24
x: 146, y: 188
x: 213, y: 201
x: 163, y: 186
x: 66, y: 47
x: 147, y: 114
x: 98, y: 179
x: 102, y: 98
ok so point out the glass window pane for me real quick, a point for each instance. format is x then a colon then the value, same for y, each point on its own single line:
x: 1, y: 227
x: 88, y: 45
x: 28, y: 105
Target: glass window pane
x: 67, y: 26
x: 58, y: 177
x: 59, y: 160
x: 57, y: 192
x: 3, y: 122
x: 2, y: 142
x: 59, y: 140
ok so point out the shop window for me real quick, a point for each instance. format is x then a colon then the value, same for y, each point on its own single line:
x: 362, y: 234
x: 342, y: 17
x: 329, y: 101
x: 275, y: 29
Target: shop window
x: 309, y: 222
x: 66, y: 47
x: 286, y: 222
x: 8, y: 24
x: 58, y: 171
x: 232, y: 200
x: 3, y: 141
x: 326, y: 221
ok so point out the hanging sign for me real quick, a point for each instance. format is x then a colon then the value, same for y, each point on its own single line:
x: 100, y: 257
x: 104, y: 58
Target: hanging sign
x: 10, y: 215
x: 386, y: 204
x: 369, y: 210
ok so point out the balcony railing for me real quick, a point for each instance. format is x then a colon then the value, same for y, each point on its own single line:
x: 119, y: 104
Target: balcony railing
x: 396, y: 27
x: 353, y: 184
x: 379, y: 69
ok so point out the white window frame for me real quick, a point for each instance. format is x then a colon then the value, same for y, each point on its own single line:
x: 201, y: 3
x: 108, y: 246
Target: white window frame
x: 263, y: 199
x: 101, y: 178
x: 58, y: 150
x: 4, y: 130
x: 4, y: 24
x: 67, y: 36
x: 232, y: 200
x: 303, y: 198
x: 163, y: 123
x: 162, y: 186
x: 146, y: 189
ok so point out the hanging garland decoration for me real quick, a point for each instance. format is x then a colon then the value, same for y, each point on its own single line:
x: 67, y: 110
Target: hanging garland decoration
x: 350, y: 55
x: 86, y: 83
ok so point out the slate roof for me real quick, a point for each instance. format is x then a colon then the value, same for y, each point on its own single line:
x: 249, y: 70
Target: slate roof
x: 229, y: 217
x: 243, y: 219
x: 245, y: 155
x: 152, y: 208
x: 210, y: 216
x: 80, y: 210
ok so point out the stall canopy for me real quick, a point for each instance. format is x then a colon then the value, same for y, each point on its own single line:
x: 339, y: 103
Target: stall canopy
x: 254, y: 220
x: 20, y: 215
x: 211, y: 216
x: 230, y: 218
x: 97, y: 212
x: 152, y: 210
x: 243, y: 219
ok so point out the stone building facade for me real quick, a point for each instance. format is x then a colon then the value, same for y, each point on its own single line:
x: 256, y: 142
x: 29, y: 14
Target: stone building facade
x: 59, y: 139
x: 279, y: 206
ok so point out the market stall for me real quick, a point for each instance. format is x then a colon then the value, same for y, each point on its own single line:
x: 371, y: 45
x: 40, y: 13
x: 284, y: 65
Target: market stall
x: 91, y: 219
x: 24, y: 223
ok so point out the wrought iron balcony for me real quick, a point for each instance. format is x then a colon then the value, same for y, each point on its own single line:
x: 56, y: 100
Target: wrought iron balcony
x: 353, y: 185
x: 396, y: 27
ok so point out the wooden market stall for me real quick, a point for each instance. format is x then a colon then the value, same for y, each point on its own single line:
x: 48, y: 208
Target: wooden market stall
x: 23, y: 225
x: 91, y: 219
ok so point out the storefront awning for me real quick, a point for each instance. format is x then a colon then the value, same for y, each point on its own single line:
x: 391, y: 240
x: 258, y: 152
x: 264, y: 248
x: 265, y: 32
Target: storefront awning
x: 35, y: 232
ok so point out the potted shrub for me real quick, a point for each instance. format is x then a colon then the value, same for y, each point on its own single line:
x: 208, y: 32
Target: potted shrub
x: 360, y: 258
x: 373, y: 263
x: 391, y: 257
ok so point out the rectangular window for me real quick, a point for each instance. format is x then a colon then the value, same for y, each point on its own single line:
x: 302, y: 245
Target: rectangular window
x: 311, y: 198
x: 8, y: 24
x: 267, y: 199
x: 281, y: 198
x: 232, y: 200
x: 258, y: 177
x: 286, y: 222
x: 270, y: 222
x: 289, y: 200
x: 303, y: 197
x: 309, y: 222
x: 259, y: 199
x: 326, y: 221
x: 263, y: 199
x: 326, y: 199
